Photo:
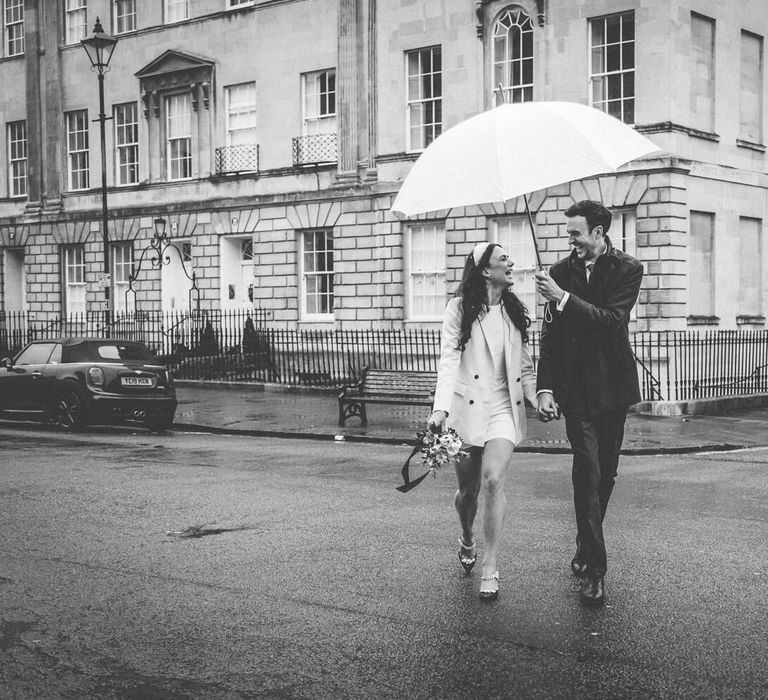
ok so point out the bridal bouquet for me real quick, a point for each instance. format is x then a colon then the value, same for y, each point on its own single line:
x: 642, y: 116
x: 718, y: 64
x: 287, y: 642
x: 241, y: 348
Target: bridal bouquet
x: 437, y: 449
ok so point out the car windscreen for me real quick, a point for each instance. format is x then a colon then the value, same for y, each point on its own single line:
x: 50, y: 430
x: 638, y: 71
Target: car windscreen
x: 114, y: 351
x: 35, y: 354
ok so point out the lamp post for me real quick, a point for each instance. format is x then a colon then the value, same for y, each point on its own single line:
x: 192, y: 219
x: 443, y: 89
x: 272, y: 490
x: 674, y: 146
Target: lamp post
x: 99, y: 47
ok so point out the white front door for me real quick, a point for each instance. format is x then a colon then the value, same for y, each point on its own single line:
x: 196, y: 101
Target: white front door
x: 236, y: 272
x: 174, y: 282
x: 14, y: 286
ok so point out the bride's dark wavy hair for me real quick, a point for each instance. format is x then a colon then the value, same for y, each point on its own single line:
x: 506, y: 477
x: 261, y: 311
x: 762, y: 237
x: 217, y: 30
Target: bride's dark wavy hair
x: 472, y: 292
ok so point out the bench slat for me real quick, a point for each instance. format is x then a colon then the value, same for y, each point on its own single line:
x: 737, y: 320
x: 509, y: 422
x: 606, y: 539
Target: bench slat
x: 402, y: 387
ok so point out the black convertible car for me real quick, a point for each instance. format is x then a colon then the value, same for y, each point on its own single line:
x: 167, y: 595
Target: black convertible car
x: 74, y: 382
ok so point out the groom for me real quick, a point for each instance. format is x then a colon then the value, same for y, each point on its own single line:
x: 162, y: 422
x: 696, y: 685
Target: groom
x: 587, y: 371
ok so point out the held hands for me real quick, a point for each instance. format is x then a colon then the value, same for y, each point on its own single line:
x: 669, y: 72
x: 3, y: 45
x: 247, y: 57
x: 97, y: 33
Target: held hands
x: 547, y: 409
x: 436, y: 422
x: 547, y: 287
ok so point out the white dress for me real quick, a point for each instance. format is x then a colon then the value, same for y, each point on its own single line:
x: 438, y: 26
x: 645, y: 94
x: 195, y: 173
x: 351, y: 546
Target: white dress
x: 501, y: 424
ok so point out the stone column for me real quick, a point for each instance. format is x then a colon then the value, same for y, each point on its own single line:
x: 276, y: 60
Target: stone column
x: 54, y: 118
x: 154, y: 135
x: 201, y: 93
x: 33, y: 100
x: 371, y: 85
x: 347, y: 85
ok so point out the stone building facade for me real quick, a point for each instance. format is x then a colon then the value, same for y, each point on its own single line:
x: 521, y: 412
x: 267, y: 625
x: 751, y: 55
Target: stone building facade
x: 271, y: 138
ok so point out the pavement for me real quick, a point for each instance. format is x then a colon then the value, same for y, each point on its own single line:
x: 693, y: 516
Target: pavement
x: 271, y: 411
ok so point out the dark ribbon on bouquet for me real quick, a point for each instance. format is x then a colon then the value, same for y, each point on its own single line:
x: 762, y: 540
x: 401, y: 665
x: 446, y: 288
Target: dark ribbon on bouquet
x: 408, y: 482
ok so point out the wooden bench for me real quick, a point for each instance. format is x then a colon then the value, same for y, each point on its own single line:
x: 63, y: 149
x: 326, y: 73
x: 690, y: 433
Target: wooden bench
x: 393, y: 386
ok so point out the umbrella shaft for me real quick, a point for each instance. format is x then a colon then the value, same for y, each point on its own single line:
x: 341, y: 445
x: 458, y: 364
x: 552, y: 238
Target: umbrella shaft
x: 533, y: 233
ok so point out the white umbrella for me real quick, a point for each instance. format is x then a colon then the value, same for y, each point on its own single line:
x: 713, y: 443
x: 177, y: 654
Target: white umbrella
x: 514, y: 149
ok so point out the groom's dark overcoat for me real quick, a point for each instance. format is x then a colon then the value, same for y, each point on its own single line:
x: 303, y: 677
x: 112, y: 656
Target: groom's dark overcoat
x: 585, y: 356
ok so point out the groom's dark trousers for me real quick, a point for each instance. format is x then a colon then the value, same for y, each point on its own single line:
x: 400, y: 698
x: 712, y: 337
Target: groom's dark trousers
x: 596, y: 443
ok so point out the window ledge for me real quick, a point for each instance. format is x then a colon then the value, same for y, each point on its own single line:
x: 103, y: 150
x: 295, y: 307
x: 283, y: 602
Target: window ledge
x: 745, y: 319
x: 308, y: 320
x: 703, y: 320
x: 751, y: 145
x: 395, y: 157
x: 659, y: 127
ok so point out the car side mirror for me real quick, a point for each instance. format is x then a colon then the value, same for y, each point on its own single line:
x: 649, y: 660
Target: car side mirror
x: 6, y: 362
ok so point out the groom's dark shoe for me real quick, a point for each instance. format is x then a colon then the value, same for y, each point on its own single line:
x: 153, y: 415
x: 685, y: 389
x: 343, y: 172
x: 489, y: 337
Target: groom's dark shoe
x: 593, y: 593
x: 578, y: 566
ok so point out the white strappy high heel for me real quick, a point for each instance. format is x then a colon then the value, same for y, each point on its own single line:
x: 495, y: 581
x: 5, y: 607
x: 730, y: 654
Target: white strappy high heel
x: 489, y: 587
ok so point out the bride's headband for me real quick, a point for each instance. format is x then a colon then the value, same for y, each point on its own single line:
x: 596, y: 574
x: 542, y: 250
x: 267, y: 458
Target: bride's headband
x: 477, y: 252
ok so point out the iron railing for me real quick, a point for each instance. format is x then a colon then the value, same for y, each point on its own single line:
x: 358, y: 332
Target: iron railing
x: 172, y: 333
x: 318, y: 148
x: 241, y: 345
x: 237, y: 159
x: 685, y: 365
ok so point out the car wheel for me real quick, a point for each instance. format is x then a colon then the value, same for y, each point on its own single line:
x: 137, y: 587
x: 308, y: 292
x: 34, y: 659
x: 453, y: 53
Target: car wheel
x: 69, y: 412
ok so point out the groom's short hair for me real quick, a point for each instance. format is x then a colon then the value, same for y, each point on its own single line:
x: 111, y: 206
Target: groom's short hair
x: 594, y: 212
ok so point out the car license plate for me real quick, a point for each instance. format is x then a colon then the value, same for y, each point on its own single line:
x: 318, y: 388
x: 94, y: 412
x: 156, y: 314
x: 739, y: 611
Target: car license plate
x: 136, y: 381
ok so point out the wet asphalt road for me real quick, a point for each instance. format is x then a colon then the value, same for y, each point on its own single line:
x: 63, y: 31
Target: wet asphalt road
x: 197, y: 566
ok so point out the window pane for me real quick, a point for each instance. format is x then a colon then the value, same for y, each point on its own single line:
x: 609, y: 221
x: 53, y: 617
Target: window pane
x: 598, y: 90
x: 627, y: 28
x: 628, y: 55
x: 241, y: 114
x: 17, y: 158
x: 127, y: 143
x: 613, y: 30
x: 614, y: 87
x: 125, y: 15
x: 612, y: 65
x: 14, y: 27
x: 426, y: 266
x: 317, y: 272
x: 628, y: 115
x: 514, y: 236
x: 77, y: 150
x: 513, y: 56
x: 613, y: 56
x: 179, y: 139
x: 319, y: 102
x: 424, y: 113
x: 74, y: 279
x: 176, y: 10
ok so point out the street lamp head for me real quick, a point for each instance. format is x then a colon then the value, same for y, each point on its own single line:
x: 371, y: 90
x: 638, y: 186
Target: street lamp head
x: 159, y: 226
x: 99, y: 47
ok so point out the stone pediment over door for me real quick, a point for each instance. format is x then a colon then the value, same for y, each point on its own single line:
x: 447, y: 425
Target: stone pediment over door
x: 173, y: 70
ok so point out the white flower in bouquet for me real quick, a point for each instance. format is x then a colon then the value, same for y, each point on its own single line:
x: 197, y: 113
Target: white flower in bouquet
x: 451, y: 442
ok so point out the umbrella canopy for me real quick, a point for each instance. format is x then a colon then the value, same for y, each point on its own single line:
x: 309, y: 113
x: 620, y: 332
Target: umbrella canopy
x: 514, y: 149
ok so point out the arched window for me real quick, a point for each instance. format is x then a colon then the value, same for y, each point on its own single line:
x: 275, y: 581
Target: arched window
x: 513, y: 57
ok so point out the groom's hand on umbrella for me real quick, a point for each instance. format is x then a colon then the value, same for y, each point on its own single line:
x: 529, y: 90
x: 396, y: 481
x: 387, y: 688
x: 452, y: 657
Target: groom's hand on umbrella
x: 547, y: 287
